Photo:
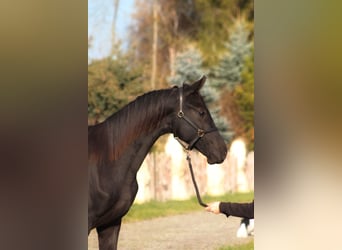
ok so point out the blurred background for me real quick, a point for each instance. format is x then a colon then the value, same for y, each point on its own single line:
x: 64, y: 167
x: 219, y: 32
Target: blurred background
x: 136, y: 46
x: 44, y: 72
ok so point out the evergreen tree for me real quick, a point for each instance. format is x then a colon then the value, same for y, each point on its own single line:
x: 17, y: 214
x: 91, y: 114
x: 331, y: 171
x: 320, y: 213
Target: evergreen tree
x: 235, y: 76
x: 188, y: 68
x: 228, y: 73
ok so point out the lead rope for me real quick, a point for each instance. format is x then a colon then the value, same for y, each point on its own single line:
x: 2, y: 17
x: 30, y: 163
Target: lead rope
x: 188, y: 158
x: 200, y: 133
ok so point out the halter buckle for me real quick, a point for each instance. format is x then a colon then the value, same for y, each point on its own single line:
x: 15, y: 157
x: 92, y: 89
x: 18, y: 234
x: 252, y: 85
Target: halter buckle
x: 200, y: 132
x: 180, y: 114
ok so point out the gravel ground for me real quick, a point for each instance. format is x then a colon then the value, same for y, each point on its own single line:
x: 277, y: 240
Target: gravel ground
x: 200, y: 230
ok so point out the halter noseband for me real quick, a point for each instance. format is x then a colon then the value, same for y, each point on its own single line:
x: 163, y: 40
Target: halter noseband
x: 200, y: 132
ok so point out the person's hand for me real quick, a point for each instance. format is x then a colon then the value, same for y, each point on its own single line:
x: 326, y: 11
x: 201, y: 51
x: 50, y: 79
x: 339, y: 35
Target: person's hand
x: 213, y: 207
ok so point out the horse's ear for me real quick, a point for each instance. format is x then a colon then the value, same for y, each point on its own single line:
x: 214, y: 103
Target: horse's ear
x: 197, y: 85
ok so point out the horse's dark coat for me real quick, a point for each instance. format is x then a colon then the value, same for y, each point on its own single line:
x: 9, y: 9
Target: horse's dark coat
x: 118, y: 146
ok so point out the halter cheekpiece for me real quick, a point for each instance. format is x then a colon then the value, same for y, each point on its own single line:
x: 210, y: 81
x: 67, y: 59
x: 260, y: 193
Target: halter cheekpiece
x: 199, y: 132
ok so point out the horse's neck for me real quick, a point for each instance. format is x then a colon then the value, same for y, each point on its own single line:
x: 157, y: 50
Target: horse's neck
x: 140, y: 128
x: 136, y: 152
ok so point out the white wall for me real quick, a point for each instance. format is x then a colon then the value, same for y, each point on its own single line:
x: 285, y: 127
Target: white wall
x: 166, y: 175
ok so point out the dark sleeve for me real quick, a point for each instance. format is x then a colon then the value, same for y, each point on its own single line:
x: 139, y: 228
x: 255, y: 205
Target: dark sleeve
x: 243, y: 210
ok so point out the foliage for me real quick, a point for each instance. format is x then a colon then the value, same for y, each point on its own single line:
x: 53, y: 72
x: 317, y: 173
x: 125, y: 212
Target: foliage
x: 228, y: 73
x: 234, y: 76
x: 112, y: 83
x: 214, y: 21
x: 244, y: 98
x: 188, y: 68
x: 202, y: 22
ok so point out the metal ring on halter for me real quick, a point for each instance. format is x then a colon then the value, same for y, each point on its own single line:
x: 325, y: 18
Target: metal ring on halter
x: 180, y: 114
x: 200, y: 132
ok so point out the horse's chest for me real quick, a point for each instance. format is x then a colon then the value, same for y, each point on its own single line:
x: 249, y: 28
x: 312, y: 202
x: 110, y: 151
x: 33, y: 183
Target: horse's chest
x: 125, y: 198
x: 118, y: 203
x: 127, y: 189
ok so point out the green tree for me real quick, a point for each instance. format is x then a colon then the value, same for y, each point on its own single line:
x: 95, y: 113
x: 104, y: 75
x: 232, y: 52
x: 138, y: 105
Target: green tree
x: 244, y: 98
x: 232, y: 76
x: 213, y: 22
x: 204, y: 23
x: 188, y: 68
x: 112, y: 83
x: 228, y: 73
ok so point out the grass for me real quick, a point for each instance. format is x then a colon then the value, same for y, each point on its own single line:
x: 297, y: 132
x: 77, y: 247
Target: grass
x: 154, y: 209
x: 247, y: 246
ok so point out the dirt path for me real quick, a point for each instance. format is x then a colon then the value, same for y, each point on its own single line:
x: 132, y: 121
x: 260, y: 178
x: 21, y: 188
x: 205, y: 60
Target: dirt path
x: 200, y: 230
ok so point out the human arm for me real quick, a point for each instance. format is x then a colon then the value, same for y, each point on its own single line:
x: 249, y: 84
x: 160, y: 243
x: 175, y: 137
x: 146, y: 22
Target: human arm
x: 243, y: 210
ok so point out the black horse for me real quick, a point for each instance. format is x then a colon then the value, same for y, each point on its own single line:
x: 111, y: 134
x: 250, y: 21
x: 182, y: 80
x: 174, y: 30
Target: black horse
x: 118, y: 146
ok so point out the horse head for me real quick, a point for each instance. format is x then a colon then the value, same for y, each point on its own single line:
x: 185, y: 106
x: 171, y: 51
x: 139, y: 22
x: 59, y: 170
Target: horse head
x: 194, y: 125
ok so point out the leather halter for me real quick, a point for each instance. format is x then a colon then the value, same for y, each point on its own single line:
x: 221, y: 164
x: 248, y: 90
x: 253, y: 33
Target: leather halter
x: 199, y: 132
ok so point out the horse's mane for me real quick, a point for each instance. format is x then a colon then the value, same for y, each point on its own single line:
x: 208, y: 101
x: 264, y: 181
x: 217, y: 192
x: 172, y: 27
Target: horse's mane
x: 107, y: 140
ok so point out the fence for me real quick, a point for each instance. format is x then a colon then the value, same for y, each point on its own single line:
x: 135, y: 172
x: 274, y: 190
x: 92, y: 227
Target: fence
x: 165, y: 176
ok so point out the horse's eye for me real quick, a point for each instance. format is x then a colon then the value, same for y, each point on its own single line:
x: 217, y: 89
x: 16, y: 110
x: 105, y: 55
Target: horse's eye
x: 201, y: 113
